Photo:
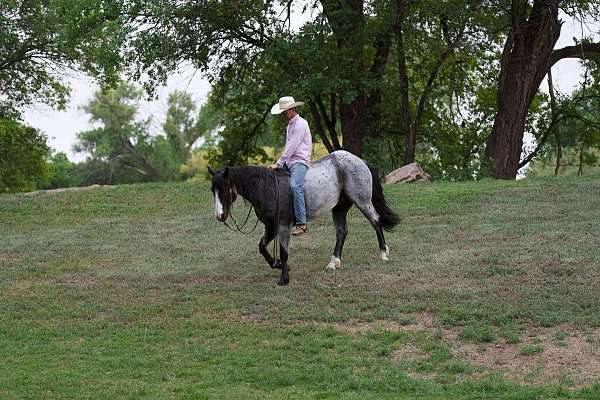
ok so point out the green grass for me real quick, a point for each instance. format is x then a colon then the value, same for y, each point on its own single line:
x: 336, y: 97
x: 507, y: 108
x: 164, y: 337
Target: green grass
x: 531, y: 349
x: 137, y: 292
x: 478, y: 334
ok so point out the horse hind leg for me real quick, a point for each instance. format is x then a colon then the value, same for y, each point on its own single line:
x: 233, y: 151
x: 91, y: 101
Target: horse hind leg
x: 371, y: 214
x: 339, y: 213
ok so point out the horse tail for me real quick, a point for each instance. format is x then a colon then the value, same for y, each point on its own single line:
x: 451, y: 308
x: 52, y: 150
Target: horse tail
x: 387, y: 217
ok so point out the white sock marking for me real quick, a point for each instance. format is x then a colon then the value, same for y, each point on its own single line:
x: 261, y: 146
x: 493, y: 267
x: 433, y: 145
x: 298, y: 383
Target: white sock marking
x: 385, y: 254
x: 334, y: 263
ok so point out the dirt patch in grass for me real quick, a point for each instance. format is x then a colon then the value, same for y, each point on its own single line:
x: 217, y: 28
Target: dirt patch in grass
x: 236, y: 317
x: 575, y: 361
x: 411, y: 322
x: 86, y: 281
x: 196, y: 280
x: 63, y: 190
x: 8, y: 258
x: 409, y: 352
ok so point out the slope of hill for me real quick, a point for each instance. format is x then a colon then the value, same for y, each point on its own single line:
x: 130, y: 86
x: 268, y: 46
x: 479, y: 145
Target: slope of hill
x: 136, y: 291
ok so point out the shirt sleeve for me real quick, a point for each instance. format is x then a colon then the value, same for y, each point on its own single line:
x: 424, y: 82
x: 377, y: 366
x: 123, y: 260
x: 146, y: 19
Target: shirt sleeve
x: 293, y: 139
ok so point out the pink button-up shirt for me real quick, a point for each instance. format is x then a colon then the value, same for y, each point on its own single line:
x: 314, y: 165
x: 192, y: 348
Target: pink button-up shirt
x: 298, y: 143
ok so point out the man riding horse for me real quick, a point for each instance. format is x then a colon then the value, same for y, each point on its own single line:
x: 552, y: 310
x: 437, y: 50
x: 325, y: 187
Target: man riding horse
x: 296, y: 156
x: 333, y: 184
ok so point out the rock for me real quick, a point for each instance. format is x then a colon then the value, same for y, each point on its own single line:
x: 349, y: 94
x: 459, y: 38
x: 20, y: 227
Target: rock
x: 408, y: 173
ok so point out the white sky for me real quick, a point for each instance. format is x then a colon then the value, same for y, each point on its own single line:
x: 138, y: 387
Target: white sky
x: 62, y: 126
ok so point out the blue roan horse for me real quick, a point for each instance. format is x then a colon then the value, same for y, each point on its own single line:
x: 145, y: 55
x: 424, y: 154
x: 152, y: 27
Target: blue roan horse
x: 335, y: 183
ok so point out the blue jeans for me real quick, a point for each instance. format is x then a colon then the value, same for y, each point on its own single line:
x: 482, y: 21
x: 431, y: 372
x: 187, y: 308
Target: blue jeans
x: 297, y: 171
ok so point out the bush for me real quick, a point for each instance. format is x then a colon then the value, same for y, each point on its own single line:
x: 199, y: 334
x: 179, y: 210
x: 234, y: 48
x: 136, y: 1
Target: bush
x: 23, y: 152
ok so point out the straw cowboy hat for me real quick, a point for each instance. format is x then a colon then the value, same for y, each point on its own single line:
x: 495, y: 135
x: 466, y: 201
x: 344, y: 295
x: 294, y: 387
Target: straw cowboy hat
x: 285, y: 103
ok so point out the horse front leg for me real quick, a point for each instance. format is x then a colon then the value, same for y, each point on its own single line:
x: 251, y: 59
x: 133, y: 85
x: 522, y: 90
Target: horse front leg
x: 266, y: 238
x: 284, y: 241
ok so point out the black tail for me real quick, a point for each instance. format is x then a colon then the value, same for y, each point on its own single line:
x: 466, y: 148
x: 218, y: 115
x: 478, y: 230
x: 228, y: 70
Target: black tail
x: 387, y: 217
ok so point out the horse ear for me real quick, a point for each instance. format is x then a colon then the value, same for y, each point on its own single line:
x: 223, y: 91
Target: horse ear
x: 211, y: 171
x: 226, y: 173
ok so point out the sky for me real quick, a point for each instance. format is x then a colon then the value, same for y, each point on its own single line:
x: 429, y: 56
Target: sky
x: 61, y: 127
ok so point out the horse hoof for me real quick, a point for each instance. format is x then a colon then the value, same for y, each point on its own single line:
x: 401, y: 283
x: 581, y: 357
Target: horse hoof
x: 334, y: 264
x: 385, y: 254
x: 283, y: 281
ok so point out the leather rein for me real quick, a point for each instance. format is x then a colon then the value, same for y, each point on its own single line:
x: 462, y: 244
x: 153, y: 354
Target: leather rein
x: 230, y: 214
x: 240, y: 228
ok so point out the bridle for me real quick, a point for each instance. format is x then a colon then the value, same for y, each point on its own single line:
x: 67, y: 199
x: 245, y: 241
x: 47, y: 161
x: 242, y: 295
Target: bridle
x: 230, y: 214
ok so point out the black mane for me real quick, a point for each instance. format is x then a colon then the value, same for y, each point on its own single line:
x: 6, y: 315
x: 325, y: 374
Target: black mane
x: 254, y: 182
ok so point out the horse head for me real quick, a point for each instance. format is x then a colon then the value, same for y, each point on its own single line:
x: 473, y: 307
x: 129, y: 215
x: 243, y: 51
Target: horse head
x: 224, y: 192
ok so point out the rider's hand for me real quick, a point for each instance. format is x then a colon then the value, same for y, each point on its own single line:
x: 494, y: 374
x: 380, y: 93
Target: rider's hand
x: 273, y: 166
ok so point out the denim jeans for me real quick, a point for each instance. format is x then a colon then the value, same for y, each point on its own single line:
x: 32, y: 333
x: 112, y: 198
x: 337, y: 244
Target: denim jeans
x: 297, y: 171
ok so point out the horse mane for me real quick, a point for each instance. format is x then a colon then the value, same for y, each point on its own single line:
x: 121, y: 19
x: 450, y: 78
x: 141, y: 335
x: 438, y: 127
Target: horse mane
x: 251, y: 179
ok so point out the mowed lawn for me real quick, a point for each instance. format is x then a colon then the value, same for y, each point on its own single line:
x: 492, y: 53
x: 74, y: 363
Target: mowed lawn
x: 492, y: 291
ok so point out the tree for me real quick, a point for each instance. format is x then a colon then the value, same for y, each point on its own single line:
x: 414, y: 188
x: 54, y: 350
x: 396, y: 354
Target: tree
x: 439, y: 33
x: 61, y: 172
x: 184, y: 126
x: 39, y: 40
x: 448, y: 57
x: 575, y: 144
x: 120, y: 141
x: 526, y: 58
x: 23, y: 151
x: 232, y: 38
x: 179, y: 124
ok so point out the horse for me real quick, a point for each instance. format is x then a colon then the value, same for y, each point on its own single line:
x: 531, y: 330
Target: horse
x: 333, y: 183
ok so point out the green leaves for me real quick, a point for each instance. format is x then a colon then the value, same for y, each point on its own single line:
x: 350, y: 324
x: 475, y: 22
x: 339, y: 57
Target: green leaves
x: 40, y: 40
x: 121, y: 140
x: 22, y: 156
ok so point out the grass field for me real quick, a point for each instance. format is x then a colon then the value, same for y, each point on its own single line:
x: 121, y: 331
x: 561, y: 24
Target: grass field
x: 492, y: 291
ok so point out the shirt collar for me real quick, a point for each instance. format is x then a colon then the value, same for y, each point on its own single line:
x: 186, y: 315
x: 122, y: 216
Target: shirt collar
x: 293, y: 120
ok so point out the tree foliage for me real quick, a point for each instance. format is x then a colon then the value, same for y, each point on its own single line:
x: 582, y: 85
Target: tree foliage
x: 41, y: 40
x: 23, y: 152
x: 121, y: 148
x: 453, y: 85
x: 572, y: 144
x: 121, y: 141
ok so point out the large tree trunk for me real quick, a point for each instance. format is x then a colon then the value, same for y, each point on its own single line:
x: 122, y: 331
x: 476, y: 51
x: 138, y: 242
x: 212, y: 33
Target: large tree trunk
x: 525, y: 61
x: 346, y: 18
x: 351, y: 117
x: 410, y: 138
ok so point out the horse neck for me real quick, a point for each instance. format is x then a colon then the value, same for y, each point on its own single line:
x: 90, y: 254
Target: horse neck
x: 249, y: 183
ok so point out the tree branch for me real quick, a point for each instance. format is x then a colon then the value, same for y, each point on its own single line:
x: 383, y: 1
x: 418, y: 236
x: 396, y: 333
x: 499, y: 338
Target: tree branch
x: 330, y: 123
x: 382, y: 44
x: 438, y: 65
x: 542, y: 141
x: 319, y: 126
x: 578, y: 51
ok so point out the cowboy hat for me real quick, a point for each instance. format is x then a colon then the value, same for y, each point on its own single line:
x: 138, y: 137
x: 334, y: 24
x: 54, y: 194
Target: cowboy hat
x: 285, y: 103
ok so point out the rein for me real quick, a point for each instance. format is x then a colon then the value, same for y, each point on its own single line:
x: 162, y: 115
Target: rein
x: 276, y: 238
x: 239, y: 228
